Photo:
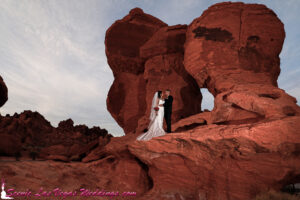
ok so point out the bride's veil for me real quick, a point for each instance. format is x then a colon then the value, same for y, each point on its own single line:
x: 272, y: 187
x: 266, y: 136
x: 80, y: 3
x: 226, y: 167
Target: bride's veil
x: 152, y: 113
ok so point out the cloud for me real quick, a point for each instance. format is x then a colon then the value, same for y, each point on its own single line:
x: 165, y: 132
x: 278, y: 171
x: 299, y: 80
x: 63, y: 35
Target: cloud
x: 53, y: 61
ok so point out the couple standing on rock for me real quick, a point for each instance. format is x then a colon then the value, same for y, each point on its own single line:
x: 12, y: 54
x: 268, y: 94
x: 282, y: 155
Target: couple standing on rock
x: 161, y: 108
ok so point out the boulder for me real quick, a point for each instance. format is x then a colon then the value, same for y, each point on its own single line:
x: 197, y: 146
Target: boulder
x: 3, y: 92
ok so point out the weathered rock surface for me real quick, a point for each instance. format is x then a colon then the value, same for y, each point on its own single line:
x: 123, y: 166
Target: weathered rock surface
x: 155, y: 63
x: 60, y: 180
x: 248, y: 144
x: 164, y: 70
x: 234, y: 44
x: 3, y: 92
x: 193, y: 121
x: 29, y: 134
x: 207, y: 162
x: 233, y: 50
x: 125, y: 37
x: 222, y: 161
x: 126, y: 98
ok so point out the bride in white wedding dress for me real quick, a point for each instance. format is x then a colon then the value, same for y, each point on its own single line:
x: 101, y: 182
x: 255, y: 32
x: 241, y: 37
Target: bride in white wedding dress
x: 155, y: 127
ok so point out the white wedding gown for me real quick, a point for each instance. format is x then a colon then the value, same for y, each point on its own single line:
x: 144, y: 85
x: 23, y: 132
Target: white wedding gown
x: 155, y: 128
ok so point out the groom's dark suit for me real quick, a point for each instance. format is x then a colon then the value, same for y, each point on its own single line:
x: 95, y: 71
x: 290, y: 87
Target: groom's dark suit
x: 168, y: 112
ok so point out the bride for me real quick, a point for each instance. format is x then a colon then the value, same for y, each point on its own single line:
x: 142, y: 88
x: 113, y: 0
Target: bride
x: 155, y: 127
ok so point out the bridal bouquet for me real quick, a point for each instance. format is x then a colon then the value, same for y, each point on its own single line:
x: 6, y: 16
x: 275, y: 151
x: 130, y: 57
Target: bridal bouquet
x: 156, y: 108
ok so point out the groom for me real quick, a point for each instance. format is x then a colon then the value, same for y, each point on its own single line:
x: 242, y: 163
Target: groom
x: 168, y: 109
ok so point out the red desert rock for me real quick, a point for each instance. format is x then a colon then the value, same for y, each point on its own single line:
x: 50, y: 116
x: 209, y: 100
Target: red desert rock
x: 145, y: 56
x: 164, y: 70
x: 222, y: 161
x: 30, y: 134
x: 233, y: 49
x: 126, y: 98
x: 248, y: 144
x: 3, y: 92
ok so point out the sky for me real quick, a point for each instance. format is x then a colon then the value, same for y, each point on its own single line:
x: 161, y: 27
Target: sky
x: 52, y: 53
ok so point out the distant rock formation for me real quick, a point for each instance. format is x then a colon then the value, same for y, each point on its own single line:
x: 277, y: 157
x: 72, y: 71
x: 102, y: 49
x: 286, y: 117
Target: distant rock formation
x: 3, y: 92
x: 30, y: 135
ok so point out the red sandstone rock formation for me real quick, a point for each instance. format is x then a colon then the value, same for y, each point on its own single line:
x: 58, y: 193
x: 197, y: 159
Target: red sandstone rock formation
x: 29, y: 134
x: 3, y: 92
x: 123, y: 40
x: 164, y: 70
x: 207, y: 162
x: 233, y: 50
x: 125, y: 37
x: 234, y: 44
x: 145, y: 56
x: 222, y: 161
x: 248, y: 144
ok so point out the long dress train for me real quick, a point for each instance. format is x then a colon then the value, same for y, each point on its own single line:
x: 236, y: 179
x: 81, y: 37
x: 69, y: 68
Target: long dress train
x: 155, y: 128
